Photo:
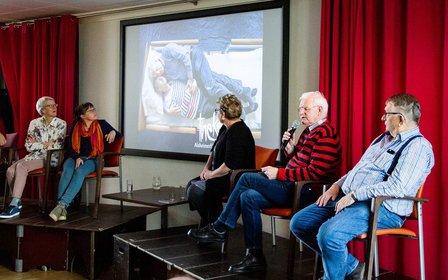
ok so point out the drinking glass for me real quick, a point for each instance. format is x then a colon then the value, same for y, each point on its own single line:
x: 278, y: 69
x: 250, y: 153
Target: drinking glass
x: 172, y: 196
x: 182, y: 190
x: 129, y: 186
x: 156, y: 182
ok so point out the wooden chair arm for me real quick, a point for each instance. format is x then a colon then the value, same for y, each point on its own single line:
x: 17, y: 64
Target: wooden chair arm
x: 298, y: 189
x: 236, y: 174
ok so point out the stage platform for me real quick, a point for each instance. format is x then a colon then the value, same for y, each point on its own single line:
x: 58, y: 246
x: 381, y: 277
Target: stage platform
x: 161, y: 255
x: 82, y: 243
x: 158, y: 255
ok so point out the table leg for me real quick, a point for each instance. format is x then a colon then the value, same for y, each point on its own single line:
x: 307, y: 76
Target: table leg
x: 164, y: 218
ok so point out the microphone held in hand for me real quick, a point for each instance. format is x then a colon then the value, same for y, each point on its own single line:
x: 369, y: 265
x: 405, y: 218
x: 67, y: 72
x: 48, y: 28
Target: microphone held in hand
x: 291, y: 131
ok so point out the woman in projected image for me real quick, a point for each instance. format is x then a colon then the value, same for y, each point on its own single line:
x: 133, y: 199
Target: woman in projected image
x: 86, y: 140
x: 234, y: 148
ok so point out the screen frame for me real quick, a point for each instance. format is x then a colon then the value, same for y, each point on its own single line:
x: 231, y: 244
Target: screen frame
x: 284, y: 4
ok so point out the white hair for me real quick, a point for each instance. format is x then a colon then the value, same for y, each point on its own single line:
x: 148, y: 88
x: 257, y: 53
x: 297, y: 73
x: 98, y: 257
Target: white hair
x: 318, y: 100
x: 40, y: 104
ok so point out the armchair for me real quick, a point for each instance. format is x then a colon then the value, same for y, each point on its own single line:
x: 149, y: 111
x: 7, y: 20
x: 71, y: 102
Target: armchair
x: 371, y: 237
x: 263, y: 157
x: 47, y: 171
x: 291, y: 211
x: 110, y: 158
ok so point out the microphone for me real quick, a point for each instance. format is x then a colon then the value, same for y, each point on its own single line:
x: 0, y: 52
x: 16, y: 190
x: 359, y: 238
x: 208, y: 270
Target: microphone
x: 293, y: 128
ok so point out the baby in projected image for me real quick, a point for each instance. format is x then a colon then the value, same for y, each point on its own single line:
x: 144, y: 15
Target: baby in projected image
x: 162, y: 87
x: 180, y: 99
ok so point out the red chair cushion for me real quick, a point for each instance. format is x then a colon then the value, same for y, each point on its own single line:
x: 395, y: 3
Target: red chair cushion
x: 106, y: 173
x: 282, y: 212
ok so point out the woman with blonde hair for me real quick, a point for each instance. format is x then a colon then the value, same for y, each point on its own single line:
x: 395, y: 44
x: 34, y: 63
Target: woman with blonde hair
x: 234, y: 148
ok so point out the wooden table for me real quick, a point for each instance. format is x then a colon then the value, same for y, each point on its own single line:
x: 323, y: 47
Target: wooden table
x: 155, y: 198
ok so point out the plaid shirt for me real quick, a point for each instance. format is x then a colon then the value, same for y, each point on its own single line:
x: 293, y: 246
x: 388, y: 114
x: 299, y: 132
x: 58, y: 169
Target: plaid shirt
x: 414, y: 165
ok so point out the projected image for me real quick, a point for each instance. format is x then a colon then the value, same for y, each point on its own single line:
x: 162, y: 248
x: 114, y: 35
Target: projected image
x: 182, y: 79
x: 175, y: 71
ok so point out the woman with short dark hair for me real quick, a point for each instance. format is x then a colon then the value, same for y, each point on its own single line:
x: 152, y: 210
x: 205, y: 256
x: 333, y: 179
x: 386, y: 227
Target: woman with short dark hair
x: 86, y: 141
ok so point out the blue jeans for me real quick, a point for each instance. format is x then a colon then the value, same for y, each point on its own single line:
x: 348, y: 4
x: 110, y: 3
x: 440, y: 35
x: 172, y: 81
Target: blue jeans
x: 215, y: 84
x: 72, y: 179
x: 328, y: 234
x: 253, y: 192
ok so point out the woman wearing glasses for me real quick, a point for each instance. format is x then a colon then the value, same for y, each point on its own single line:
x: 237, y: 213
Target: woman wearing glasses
x: 44, y: 133
x: 86, y: 140
x: 234, y: 148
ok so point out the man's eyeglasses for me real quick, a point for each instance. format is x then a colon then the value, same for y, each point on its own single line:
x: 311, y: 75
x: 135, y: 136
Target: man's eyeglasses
x: 386, y: 114
x: 306, y: 109
x: 52, y: 105
x: 91, y: 110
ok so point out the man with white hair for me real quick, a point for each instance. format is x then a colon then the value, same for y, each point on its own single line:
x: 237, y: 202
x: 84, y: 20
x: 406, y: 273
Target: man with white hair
x: 315, y: 156
x: 396, y: 164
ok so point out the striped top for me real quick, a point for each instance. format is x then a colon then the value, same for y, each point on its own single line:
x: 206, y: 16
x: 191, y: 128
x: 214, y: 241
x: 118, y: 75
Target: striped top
x: 414, y: 165
x: 316, y: 155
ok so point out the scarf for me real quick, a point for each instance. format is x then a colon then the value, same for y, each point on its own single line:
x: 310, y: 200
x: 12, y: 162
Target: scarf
x: 96, y: 137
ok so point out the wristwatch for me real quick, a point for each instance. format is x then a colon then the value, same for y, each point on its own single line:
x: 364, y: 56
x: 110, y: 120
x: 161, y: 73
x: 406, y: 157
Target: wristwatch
x: 353, y: 196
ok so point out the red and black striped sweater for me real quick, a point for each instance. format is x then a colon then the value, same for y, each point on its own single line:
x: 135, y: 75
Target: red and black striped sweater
x: 316, y: 155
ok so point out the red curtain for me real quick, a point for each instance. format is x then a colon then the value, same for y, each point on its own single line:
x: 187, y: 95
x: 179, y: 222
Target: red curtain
x: 39, y: 59
x: 370, y: 50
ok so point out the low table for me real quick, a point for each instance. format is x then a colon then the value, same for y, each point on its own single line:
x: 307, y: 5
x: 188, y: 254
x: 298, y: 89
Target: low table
x: 155, y: 198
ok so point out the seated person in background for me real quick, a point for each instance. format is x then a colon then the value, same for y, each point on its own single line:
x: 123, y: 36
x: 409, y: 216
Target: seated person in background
x: 44, y: 133
x: 342, y: 212
x: 86, y: 141
x: 234, y: 148
x: 315, y: 156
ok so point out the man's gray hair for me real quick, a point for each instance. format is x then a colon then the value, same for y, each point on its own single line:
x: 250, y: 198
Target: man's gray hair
x: 41, y: 103
x: 318, y: 100
x: 408, y: 104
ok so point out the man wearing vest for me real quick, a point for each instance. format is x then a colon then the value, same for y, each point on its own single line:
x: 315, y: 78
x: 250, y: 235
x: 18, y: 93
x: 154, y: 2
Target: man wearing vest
x: 396, y: 164
x: 315, y: 156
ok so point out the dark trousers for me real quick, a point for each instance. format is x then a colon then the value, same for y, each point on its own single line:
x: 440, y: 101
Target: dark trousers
x: 208, y: 201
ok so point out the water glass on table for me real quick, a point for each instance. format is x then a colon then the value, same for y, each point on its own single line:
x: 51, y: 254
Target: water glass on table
x: 156, y: 183
x: 182, y: 192
x: 129, y: 186
x: 172, y: 196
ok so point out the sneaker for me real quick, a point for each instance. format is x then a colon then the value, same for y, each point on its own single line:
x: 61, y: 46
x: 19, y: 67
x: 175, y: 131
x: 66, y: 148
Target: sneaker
x: 63, y: 216
x: 10, y: 212
x: 19, y: 205
x: 57, y: 212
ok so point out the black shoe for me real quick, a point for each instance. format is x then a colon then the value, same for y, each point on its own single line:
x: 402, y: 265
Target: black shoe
x: 250, y: 263
x: 357, y: 273
x: 207, y: 234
